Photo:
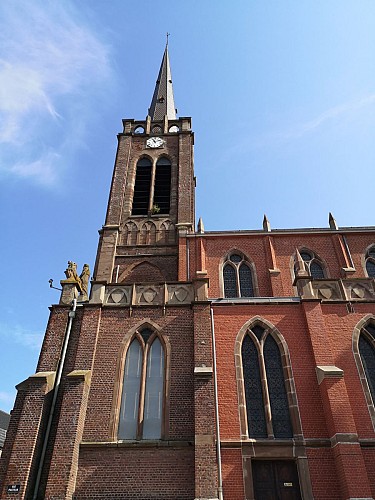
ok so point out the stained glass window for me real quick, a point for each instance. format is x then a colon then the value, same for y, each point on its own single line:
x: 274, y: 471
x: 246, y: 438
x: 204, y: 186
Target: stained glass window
x: 230, y: 281
x: 281, y: 424
x: 370, y: 268
x: 237, y: 277
x: 258, y: 331
x: 316, y: 270
x: 367, y: 352
x: 246, y: 281
x: 312, y: 265
x: 258, y: 393
x: 256, y: 419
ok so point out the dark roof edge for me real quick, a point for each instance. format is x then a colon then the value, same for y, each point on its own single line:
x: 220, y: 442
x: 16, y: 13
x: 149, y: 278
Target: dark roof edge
x: 245, y: 232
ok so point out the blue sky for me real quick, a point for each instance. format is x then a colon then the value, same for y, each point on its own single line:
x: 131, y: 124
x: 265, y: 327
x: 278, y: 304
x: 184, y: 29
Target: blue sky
x: 282, y: 97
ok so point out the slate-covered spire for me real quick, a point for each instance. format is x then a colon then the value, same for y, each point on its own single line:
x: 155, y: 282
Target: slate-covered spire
x: 162, y: 101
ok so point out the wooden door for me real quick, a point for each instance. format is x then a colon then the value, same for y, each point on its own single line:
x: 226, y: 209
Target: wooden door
x: 275, y: 480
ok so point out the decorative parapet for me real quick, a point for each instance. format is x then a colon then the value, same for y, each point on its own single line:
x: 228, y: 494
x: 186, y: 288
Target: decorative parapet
x: 327, y: 289
x: 359, y: 289
x: 341, y: 290
x: 144, y: 295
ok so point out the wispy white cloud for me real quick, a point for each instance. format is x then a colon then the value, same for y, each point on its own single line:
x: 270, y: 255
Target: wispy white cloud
x: 51, y: 62
x: 330, y: 114
x: 277, y: 138
x: 43, y: 169
x: 22, y: 336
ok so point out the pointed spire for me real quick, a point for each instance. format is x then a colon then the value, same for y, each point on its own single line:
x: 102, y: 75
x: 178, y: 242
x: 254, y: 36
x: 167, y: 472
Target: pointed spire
x: 266, y: 224
x: 162, y: 103
x: 200, y: 226
x: 332, y: 221
x: 299, y: 269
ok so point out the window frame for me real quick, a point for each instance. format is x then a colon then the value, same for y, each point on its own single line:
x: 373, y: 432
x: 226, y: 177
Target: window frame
x: 135, y: 333
x: 314, y: 259
x: 357, y: 332
x: 236, y: 266
x: 290, y: 389
x: 369, y: 258
x: 151, y: 195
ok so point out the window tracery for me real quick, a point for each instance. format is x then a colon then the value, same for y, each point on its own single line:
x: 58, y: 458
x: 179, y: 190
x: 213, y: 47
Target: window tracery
x: 313, y: 265
x: 267, y: 407
x: 237, y: 277
x: 142, y: 401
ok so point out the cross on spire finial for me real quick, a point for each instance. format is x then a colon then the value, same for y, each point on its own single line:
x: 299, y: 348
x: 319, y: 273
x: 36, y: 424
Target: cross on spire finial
x: 167, y: 37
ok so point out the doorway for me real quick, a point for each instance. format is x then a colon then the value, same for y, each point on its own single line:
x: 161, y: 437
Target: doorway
x: 275, y: 480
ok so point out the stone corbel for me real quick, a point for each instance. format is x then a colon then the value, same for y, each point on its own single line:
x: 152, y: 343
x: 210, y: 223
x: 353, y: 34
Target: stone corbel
x: 323, y: 372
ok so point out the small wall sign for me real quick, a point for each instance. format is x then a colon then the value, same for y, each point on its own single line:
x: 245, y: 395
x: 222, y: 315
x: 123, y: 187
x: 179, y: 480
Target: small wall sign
x: 288, y: 484
x: 13, y: 488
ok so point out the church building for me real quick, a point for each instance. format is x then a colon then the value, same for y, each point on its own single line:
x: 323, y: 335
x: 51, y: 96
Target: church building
x: 201, y: 365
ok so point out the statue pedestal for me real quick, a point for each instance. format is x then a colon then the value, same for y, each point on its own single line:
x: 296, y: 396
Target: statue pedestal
x: 70, y: 291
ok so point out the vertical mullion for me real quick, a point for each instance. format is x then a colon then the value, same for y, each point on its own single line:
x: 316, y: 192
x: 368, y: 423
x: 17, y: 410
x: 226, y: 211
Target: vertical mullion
x: 266, y: 396
x: 152, y: 186
x: 238, y: 281
x: 142, y: 393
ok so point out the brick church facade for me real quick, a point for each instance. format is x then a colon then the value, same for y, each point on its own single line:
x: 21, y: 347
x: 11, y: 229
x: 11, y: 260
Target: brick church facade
x: 203, y: 365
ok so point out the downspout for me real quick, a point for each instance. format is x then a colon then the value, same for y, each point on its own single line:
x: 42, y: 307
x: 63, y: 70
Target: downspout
x: 56, y: 387
x: 218, y: 450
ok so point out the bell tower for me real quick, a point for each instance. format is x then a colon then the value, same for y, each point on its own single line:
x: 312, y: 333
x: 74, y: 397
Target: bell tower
x: 152, y: 193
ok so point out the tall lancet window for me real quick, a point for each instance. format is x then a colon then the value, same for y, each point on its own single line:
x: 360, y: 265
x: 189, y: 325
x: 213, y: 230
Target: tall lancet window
x: 152, y: 188
x: 370, y: 262
x: 142, y: 403
x: 266, y: 398
x: 237, y: 277
x: 366, y: 345
x: 141, y: 198
x: 162, y: 187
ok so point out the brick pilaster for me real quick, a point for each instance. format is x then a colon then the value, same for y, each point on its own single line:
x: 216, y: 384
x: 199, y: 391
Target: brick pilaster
x: 64, y: 463
x: 205, y: 451
x: 25, y: 436
x: 338, y: 413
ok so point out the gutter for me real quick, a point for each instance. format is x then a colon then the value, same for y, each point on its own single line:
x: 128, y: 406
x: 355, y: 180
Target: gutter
x: 72, y: 314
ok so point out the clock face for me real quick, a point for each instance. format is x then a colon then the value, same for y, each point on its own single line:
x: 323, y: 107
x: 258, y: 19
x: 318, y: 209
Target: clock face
x: 154, y: 142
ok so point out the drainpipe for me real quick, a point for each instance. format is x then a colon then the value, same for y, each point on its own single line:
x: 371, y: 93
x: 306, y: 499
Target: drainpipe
x: 218, y: 450
x: 56, y: 387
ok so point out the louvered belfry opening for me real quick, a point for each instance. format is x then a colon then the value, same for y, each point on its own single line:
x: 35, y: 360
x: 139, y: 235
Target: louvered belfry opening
x: 141, y: 198
x: 162, y: 188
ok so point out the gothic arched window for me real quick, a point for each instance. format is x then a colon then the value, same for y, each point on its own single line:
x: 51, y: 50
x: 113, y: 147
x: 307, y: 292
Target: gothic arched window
x: 142, y: 402
x: 141, y: 198
x: 370, y: 262
x: 162, y: 187
x: 237, y: 277
x: 313, y: 265
x: 152, y: 187
x: 267, y: 406
x: 366, y: 348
